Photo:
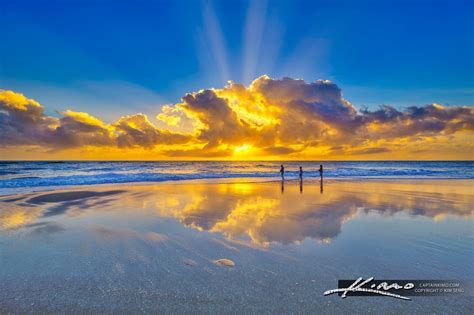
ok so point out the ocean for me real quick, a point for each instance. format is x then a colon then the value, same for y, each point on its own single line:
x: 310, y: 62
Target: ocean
x: 24, y: 176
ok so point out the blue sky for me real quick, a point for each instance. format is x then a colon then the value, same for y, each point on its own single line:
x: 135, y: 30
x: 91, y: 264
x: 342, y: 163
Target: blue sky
x: 111, y: 58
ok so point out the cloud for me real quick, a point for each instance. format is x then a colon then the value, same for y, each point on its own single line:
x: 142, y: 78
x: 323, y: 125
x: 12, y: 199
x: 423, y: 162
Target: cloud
x: 269, y: 118
x: 371, y: 150
x: 168, y: 117
x: 137, y: 130
x: 23, y: 122
x: 431, y: 119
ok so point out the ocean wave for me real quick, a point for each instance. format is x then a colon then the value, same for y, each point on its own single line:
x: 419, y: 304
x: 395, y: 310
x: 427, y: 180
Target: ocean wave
x: 2, y: 172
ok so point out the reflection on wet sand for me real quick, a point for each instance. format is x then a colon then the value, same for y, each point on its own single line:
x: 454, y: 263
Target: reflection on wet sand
x: 256, y: 212
x: 213, y: 248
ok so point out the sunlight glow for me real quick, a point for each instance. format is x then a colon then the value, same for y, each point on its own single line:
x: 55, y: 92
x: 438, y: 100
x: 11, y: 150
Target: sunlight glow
x: 243, y: 149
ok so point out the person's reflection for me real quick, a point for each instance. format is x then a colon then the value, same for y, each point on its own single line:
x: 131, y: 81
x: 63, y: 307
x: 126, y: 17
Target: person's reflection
x: 282, y: 186
x: 321, y: 186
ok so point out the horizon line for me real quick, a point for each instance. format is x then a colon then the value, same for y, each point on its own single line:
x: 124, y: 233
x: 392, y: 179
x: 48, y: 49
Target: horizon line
x: 212, y: 160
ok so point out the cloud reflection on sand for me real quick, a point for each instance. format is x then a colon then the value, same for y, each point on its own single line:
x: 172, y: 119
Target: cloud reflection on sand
x: 254, y: 212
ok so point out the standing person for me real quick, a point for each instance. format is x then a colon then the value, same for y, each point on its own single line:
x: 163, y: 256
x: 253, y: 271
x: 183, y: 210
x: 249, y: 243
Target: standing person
x: 282, y: 172
x: 321, y: 174
x: 301, y: 180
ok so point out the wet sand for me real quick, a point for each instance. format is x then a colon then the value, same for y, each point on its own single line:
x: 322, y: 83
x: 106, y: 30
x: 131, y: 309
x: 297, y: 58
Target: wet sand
x: 259, y: 247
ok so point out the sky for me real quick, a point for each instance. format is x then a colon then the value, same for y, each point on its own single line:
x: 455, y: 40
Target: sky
x: 150, y: 79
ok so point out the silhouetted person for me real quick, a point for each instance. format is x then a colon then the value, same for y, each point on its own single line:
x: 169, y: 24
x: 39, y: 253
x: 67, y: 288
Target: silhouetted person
x: 282, y: 172
x: 301, y: 173
x: 321, y: 174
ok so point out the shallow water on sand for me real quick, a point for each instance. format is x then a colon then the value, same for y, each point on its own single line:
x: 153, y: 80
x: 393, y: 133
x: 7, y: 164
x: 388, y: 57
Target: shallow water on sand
x: 235, y: 247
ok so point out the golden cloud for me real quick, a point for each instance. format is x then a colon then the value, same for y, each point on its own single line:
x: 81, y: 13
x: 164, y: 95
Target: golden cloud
x: 270, y: 118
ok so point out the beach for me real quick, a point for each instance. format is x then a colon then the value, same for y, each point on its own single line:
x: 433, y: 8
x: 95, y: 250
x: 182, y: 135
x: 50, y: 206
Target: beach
x: 233, y: 247
x: 237, y: 157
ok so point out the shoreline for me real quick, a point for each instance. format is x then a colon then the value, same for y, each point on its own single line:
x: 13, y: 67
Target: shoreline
x: 21, y: 178
x: 229, y: 180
